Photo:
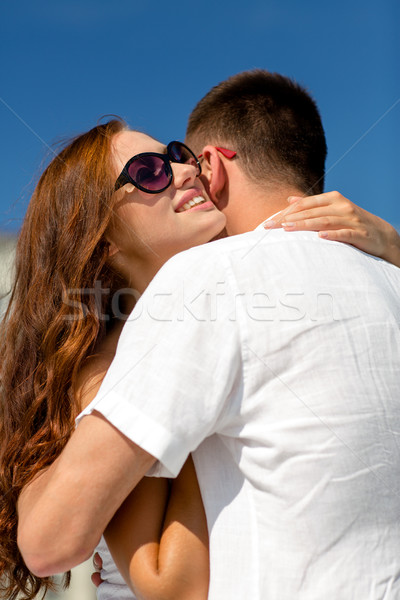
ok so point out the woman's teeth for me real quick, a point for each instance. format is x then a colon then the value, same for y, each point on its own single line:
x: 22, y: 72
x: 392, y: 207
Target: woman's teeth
x: 191, y: 203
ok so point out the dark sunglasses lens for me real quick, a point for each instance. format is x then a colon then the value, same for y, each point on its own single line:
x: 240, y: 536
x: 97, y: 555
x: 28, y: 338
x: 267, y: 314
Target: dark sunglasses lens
x: 181, y: 154
x: 149, y: 172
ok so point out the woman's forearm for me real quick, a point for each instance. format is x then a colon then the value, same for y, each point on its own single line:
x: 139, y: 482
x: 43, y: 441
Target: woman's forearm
x: 392, y: 250
x: 183, y: 554
x: 63, y: 512
x: 159, y: 539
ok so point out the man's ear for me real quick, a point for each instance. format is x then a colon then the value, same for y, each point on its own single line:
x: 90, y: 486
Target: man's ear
x: 214, y: 172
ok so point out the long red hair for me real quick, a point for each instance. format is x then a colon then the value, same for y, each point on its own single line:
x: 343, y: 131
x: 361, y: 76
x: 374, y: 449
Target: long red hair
x: 51, y: 326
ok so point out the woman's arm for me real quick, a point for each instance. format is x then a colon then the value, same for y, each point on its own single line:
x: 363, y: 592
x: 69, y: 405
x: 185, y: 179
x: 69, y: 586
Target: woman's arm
x: 64, y: 511
x: 107, y: 476
x: 159, y: 539
x: 337, y: 218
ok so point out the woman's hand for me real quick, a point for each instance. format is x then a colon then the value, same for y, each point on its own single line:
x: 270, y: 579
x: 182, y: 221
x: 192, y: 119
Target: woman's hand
x: 337, y: 218
x: 97, y: 565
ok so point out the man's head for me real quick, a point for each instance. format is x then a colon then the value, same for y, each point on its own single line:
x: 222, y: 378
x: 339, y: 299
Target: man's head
x: 271, y: 122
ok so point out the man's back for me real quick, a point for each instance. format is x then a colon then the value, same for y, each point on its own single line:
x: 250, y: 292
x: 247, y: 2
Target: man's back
x: 316, y: 436
x: 277, y: 358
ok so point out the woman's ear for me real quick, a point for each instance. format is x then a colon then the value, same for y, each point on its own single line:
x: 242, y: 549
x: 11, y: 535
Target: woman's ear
x: 214, y: 172
x: 112, y: 247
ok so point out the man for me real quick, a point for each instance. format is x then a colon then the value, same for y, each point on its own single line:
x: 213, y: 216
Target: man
x: 274, y: 359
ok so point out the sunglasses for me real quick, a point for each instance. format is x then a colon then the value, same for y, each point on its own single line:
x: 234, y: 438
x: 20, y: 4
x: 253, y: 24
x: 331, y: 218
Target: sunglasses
x: 152, y: 172
x: 227, y: 153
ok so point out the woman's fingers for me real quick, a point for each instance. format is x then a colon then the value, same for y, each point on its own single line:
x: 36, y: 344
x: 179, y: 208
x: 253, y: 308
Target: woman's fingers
x: 337, y: 218
x: 330, y: 205
x: 318, y: 223
x: 325, y: 199
x: 98, y: 565
x: 96, y: 579
x: 312, y: 201
x: 348, y: 236
x: 315, y: 213
x: 97, y: 561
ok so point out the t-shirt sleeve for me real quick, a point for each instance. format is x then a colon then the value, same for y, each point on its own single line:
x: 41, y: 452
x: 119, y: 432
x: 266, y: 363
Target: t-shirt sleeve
x: 176, y: 373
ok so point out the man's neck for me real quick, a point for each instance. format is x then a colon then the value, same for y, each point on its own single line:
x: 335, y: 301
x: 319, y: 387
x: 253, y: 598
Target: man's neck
x: 247, y: 208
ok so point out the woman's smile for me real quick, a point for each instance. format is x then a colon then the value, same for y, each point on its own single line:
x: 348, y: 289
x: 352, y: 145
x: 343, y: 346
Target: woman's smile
x: 150, y: 228
x: 192, y: 198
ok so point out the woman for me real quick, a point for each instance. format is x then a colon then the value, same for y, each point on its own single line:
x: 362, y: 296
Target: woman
x: 60, y: 333
x: 55, y: 325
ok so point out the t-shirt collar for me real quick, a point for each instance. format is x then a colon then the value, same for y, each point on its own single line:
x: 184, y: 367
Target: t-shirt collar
x: 261, y: 225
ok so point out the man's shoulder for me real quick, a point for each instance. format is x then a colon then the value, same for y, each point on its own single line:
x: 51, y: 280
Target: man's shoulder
x: 213, y: 252
x: 200, y: 267
x: 270, y: 249
x: 216, y: 256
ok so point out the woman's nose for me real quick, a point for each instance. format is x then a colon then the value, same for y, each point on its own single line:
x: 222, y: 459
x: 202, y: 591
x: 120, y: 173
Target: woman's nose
x: 184, y: 174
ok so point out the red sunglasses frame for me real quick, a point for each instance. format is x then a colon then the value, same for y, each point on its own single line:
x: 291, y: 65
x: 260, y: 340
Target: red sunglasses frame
x: 227, y: 153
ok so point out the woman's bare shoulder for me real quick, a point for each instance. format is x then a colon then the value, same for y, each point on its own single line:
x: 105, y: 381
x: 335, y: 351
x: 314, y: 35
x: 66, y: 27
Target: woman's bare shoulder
x: 92, y: 373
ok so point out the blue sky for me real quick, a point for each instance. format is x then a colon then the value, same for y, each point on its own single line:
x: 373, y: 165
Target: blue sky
x: 65, y: 64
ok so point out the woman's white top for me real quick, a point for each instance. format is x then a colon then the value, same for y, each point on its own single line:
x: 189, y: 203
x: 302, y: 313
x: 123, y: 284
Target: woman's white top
x: 113, y: 586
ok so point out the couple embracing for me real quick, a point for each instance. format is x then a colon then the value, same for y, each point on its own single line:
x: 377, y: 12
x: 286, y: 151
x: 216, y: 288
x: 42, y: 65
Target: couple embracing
x: 255, y: 382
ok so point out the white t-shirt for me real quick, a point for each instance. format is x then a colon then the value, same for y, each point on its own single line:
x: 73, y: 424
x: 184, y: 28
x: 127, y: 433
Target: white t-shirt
x: 275, y: 359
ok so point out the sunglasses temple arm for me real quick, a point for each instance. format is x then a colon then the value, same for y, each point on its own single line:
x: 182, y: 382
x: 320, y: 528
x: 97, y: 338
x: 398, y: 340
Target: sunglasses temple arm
x: 122, y: 180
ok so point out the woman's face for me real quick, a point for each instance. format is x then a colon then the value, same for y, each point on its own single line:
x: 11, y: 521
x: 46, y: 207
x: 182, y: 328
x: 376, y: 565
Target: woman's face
x: 150, y: 228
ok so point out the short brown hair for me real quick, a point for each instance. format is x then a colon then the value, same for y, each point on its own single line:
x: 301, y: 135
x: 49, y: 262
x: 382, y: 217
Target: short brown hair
x: 273, y: 124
